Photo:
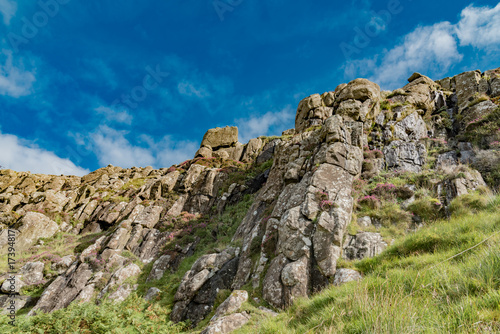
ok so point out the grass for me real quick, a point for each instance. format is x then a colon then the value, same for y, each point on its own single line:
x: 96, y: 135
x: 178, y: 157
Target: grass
x: 135, y: 183
x: 478, y: 99
x: 54, y: 248
x: 412, y: 287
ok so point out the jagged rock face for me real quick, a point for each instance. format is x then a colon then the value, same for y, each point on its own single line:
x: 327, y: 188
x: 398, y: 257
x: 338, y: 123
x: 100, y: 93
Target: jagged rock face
x: 356, y: 101
x: 290, y: 239
x: 196, y: 294
x: 311, y: 179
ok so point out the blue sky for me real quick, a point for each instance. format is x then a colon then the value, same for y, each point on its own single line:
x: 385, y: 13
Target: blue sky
x: 84, y: 84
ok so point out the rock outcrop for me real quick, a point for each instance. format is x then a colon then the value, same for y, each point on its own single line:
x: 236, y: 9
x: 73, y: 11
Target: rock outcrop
x: 270, y: 218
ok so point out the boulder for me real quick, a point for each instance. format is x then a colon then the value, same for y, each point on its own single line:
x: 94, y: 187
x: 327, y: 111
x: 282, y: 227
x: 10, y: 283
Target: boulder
x: 361, y: 90
x: 227, y: 324
x: 344, y: 275
x: 149, y: 217
x: 204, y: 152
x: 465, y: 182
x: 159, y: 268
x: 231, y: 304
x: 63, y: 265
x: 13, y: 284
x: 220, y: 137
x: 363, y: 245
x: 122, y: 292
x: 19, y: 302
x: 32, y: 273
x: 152, y: 293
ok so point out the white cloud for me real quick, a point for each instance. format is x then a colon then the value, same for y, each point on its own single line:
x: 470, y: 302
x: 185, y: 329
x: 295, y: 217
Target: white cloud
x: 426, y: 49
x: 479, y: 27
x: 112, y: 147
x: 267, y: 124
x: 15, y: 81
x: 114, y: 115
x: 20, y: 155
x: 8, y: 9
x: 432, y: 50
x: 188, y: 89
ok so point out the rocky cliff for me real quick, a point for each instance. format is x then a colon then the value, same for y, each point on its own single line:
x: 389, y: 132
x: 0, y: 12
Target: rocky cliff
x: 270, y: 220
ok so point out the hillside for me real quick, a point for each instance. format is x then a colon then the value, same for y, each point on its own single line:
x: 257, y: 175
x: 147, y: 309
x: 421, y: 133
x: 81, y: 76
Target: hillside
x: 376, y: 213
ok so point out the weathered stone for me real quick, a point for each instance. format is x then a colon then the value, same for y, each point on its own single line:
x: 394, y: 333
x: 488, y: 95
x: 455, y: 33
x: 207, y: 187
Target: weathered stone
x: 409, y: 156
x: 32, y: 273
x: 347, y: 157
x: 34, y: 226
x: 159, y: 268
x: 411, y: 128
x: 86, y: 294
x: 346, y: 275
x: 221, y: 154
x: 13, y: 284
x: 268, y: 151
x: 220, y: 137
x: 231, y: 304
x: 202, y: 304
x: 363, y: 245
x: 63, y: 265
x: 152, y: 293
x: 468, y: 181
x: 328, y: 98
x: 149, y: 217
x: 272, y: 288
x: 365, y: 221
x: 168, y: 182
x: 295, y: 278
x: 119, y: 278
x: 227, y: 324
x: 122, y: 292
x: 203, y: 152
x: 119, y: 239
x: 13, y: 303
x: 252, y: 149
x: 467, y: 84
x: 359, y: 89
x: 192, y: 176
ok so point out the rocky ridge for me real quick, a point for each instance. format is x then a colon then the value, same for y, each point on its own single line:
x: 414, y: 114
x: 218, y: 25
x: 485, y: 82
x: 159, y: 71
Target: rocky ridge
x: 313, y: 202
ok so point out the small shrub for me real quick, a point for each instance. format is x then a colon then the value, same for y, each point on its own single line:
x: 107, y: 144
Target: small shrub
x: 385, y: 191
x: 321, y: 196
x: 427, y: 208
x: 270, y: 242
x: 368, y: 166
x: 479, y: 99
x: 404, y: 192
x: 370, y: 202
x: 326, y: 205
